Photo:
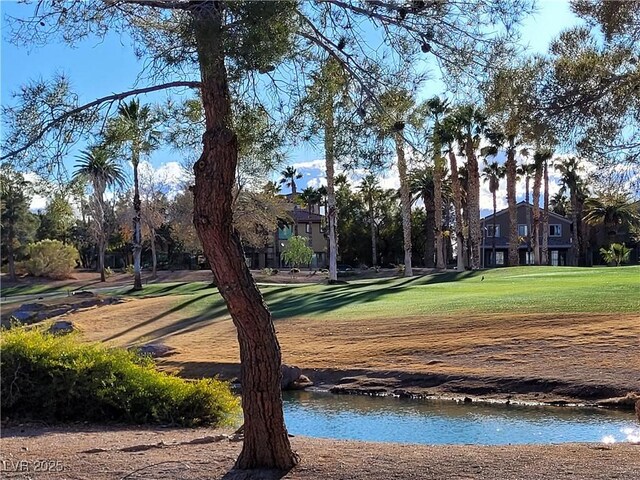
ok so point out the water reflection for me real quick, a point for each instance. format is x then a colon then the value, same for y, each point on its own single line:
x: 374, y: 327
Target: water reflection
x: 439, y: 422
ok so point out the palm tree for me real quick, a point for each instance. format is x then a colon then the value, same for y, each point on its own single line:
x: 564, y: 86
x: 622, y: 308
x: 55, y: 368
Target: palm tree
x: 437, y: 107
x: 540, y: 158
x: 400, y: 109
x: 571, y: 181
x: 310, y: 197
x: 422, y: 185
x: 98, y: 166
x: 492, y: 173
x: 473, y: 125
x: 613, y: 211
x: 289, y: 176
x: 560, y: 204
x: 370, y: 191
x: 544, y: 251
x: 135, y: 126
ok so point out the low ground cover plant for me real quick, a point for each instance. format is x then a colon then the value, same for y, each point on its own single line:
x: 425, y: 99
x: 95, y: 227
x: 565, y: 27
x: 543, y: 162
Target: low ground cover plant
x: 58, y: 378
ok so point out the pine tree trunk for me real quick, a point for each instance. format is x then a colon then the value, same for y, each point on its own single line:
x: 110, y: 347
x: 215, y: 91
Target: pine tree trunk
x: 437, y: 200
x: 457, y: 206
x: 137, y: 227
x: 544, y: 254
x: 510, y: 167
x: 266, y: 442
x: 332, y: 214
x: 473, y: 204
x: 405, y: 203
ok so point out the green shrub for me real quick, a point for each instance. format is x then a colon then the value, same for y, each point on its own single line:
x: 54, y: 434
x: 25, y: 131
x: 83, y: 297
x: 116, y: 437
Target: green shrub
x: 51, y: 258
x: 129, y: 269
x: 108, y: 272
x: 57, y: 378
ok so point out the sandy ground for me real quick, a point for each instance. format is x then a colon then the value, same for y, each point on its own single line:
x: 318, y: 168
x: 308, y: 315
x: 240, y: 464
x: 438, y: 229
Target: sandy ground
x: 101, y: 453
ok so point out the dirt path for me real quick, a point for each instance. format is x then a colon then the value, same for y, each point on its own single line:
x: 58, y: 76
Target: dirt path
x: 533, y: 356
x: 111, y: 453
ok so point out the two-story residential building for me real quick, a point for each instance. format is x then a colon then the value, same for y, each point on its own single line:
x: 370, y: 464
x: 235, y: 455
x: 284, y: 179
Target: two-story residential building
x: 308, y: 223
x: 559, y: 236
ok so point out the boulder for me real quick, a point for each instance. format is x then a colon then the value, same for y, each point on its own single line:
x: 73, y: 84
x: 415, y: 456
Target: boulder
x: 289, y: 375
x: 62, y: 327
x: 155, y: 350
x: 292, y: 378
x: 24, y: 316
x: 301, y: 383
x: 54, y: 312
x: 638, y: 409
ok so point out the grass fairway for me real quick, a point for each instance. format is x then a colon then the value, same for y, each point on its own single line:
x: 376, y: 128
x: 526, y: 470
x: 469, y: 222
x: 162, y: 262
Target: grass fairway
x: 578, y: 326
x: 505, y: 290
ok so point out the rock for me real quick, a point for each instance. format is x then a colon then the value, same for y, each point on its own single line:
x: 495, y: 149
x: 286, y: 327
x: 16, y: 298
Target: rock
x: 289, y: 375
x: 155, y: 350
x: 467, y: 400
x: 24, y: 316
x: 62, y: 327
x: 33, y: 307
x: 638, y: 409
x: 301, y: 383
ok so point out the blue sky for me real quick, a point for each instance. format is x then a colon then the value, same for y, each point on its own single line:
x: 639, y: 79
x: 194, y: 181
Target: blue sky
x: 98, y: 68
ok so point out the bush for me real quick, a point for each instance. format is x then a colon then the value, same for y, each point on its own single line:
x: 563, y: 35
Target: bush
x: 51, y: 258
x: 108, y: 272
x: 57, y: 378
x: 129, y: 269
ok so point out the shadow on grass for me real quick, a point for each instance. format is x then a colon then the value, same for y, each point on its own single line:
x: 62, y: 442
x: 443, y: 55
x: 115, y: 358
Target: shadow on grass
x: 282, y: 306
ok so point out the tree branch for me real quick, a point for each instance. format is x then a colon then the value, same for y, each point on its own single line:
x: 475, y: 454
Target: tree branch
x: 109, y: 98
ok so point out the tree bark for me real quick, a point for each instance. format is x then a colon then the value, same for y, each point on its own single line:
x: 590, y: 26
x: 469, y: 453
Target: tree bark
x: 526, y: 199
x: 405, y: 203
x: 510, y: 166
x: 544, y: 254
x: 473, y: 203
x: 137, y: 227
x: 266, y: 442
x: 493, y: 237
x: 457, y: 206
x: 575, y: 245
x: 332, y: 213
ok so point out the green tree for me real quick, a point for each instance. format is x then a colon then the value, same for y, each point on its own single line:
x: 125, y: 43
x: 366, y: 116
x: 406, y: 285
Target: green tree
x: 422, y: 186
x: 57, y: 219
x: 540, y: 160
x: 613, y: 211
x: 98, y: 167
x: 437, y: 108
x: 297, y: 252
x: 370, y: 191
x: 52, y: 259
x: 18, y: 223
x: 492, y: 173
x: 136, y: 126
x: 616, y: 253
x: 473, y: 124
x: 571, y: 181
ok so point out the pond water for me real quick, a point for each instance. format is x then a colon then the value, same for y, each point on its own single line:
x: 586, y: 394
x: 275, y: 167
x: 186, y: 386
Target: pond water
x: 389, y: 419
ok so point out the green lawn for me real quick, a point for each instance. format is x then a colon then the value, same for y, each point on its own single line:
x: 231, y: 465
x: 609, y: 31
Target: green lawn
x: 508, y: 290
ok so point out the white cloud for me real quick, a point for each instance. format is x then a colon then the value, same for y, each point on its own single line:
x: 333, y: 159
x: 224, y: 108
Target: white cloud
x: 320, y: 164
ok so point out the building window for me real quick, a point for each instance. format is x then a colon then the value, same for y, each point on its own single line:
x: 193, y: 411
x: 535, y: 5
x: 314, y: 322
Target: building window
x: 528, y: 258
x: 284, y: 233
x: 493, y: 231
x: 554, y: 258
x: 499, y: 258
x: 307, y: 228
x: 523, y: 230
x: 555, y: 230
